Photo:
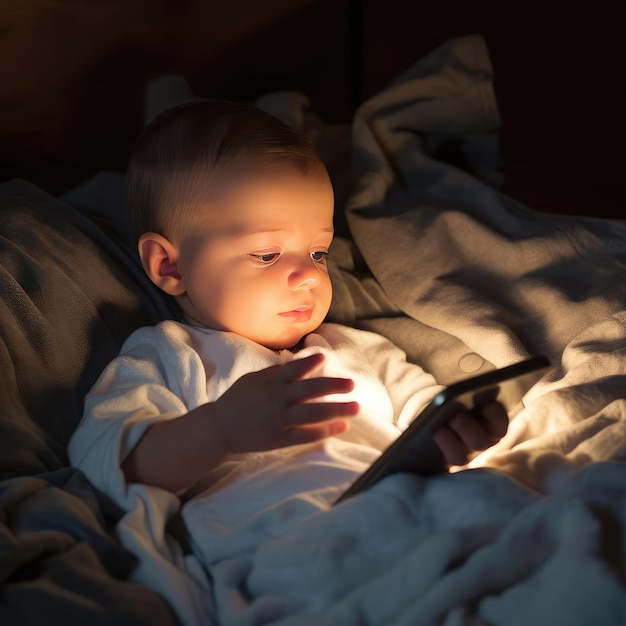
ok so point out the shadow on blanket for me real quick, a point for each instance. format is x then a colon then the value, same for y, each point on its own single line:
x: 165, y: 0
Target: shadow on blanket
x: 70, y: 294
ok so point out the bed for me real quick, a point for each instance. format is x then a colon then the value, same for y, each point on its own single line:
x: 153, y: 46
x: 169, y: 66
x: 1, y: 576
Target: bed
x: 429, y: 253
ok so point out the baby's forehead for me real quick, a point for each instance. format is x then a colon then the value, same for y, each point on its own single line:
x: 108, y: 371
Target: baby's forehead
x: 266, y: 199
x: 231, y: 184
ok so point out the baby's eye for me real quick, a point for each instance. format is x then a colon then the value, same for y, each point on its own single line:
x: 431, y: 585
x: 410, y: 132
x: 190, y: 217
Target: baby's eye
x: 267, y: 258
x: 319, y: 256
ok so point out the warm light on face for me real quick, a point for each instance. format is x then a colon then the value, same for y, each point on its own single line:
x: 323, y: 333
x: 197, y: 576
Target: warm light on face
x: 255, y: 263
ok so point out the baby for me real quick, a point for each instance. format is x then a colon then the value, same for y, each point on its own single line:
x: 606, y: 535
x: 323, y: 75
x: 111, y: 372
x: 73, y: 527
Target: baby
x: 234, y: 217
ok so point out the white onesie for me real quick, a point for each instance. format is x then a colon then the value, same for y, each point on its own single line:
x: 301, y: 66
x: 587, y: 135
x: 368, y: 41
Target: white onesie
x: 165, y: 371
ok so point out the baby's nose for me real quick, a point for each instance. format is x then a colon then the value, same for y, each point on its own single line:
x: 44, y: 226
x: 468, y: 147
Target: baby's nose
x: 304, y: 277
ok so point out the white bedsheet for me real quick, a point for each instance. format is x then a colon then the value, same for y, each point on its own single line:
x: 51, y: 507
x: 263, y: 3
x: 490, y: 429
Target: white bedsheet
x: 468, y: 548
x: 462, y: 278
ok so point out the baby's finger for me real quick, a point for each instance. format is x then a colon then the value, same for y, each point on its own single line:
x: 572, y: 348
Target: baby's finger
x: 309, y: 388
x: 296, y: 369
x: 308, y: 434
x: 315, y: 412
x: 451, y: 446
x: 496, y: 420
x: 470, y: 431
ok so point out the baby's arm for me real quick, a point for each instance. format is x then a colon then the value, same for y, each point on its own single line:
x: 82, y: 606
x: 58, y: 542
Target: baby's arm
x: 149, y: 417
x: 262, y: 411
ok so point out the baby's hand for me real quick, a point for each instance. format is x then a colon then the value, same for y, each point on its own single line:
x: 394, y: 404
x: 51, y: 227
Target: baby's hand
x: 465, y: 433
x: 268, y: 409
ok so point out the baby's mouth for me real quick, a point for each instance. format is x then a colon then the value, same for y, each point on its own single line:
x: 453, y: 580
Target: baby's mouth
x: 299, y: 314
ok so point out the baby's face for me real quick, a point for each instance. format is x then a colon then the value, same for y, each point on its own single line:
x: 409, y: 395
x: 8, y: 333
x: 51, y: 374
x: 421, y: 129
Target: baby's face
x: 255, y: 264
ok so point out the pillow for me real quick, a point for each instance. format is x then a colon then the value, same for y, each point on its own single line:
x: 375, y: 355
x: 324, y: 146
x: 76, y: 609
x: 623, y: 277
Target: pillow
x: 71, y: 291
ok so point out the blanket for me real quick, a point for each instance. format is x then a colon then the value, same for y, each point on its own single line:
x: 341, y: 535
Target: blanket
x: 70, y: 293
x: 462, y: 278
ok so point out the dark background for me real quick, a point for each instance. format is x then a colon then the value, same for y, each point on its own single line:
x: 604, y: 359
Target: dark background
x: 73, y: 75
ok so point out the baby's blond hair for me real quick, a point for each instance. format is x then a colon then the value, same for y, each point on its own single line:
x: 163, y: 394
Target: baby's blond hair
x: 184, y: 154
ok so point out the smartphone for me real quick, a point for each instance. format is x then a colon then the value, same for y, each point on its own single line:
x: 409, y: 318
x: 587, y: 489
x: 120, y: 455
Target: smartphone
x: 415, y: 449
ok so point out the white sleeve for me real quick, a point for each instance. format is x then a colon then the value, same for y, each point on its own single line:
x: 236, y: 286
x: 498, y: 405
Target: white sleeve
x: 410, y: 388
x: 157, y: 376
x: 135, y: 390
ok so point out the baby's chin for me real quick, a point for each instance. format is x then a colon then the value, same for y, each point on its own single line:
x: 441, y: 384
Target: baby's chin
x: 284, y: 344
x: 285, y: 341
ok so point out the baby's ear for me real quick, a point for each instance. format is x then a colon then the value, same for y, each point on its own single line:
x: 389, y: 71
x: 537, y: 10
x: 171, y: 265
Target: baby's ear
x: 159, y: 258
